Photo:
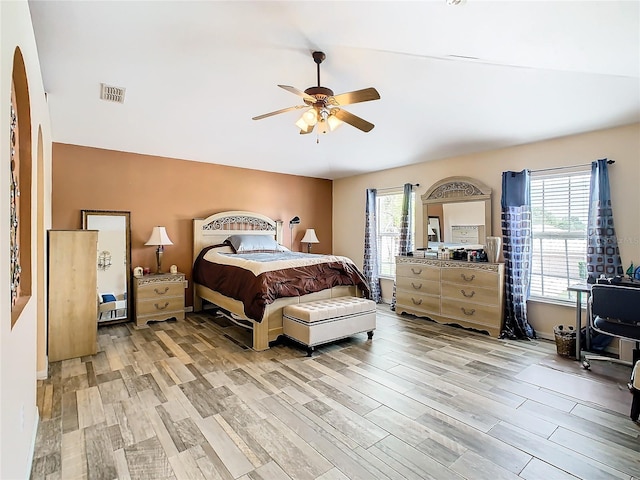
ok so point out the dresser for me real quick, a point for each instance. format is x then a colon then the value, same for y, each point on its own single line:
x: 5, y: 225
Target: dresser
x: 72, y: 302
x: 468, y: 294
x: 158, y: 297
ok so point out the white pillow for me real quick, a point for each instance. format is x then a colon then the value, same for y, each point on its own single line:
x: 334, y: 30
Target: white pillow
x: 254, y: 243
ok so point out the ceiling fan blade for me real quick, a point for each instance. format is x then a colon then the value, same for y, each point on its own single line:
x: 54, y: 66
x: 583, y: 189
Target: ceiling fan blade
x: 300, y: 93
x: 357, y: 96
x: 270, y: 114
x: 352, y: 119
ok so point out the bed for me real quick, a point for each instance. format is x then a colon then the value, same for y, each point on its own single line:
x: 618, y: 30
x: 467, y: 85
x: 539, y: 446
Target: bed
x: 265, y: 318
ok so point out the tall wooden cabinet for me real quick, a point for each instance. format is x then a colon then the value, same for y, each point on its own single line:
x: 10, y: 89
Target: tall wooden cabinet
x: 72, y: 288
x: 469, y: 294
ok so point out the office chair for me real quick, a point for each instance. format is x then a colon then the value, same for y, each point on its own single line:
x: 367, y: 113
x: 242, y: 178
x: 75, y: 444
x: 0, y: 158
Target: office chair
x: 614, y: 311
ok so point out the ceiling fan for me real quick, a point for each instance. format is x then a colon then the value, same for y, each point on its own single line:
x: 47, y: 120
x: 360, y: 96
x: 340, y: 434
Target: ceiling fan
x: 323, y: 108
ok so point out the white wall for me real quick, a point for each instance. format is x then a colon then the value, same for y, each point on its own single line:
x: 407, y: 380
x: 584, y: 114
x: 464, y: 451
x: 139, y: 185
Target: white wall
x: 620, y: 144
x: 18, y: 345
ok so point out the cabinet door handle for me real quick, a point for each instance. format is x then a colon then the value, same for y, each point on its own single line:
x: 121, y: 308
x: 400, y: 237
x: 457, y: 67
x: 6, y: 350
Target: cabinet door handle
x: 418, y: 272
x: 418, y: 302
x: 158, y: 307
x: 470, y: 295
x: 158, y: 292
x: 468, y: 313
x: 417, y: 287
x: 467, y: 279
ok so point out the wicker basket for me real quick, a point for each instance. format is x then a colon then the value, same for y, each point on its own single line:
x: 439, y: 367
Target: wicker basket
x: 565, y: 340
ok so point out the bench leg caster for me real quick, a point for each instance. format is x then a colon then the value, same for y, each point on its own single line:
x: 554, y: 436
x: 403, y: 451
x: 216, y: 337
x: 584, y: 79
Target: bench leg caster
x: 310, y: 351
x: 370, y: 335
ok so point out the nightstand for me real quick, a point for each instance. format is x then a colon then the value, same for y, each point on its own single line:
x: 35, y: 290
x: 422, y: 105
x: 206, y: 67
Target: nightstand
x: 158, y: 296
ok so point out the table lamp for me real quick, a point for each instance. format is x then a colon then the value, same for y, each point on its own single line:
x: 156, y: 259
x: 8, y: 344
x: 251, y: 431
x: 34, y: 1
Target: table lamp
x: 309, y: 238
x: 160, y: 238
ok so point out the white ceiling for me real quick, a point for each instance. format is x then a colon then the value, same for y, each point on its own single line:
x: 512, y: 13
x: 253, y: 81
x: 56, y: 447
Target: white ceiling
x: 195, y: 74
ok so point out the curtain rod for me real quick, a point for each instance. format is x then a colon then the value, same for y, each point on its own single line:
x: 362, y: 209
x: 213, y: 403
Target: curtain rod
x: 396, y: 188
x: 609, y: 162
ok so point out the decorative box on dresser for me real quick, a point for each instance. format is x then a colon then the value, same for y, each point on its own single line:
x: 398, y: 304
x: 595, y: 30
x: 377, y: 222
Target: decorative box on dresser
x: 72, y: 287
x: 469, y: 294
x: 159, y: 296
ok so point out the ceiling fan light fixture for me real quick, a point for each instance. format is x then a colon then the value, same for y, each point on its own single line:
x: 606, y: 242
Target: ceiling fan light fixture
x: 323, y: 126
x: 301, y: 124
x: 334, y: 122
x: 310, y: 116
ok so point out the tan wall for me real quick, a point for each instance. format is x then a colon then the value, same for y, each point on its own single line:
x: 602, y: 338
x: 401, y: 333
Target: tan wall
x: 170, y: 192
x: 620, y: 144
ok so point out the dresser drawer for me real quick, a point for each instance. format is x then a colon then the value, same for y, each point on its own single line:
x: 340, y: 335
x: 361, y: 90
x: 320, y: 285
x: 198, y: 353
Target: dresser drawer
x: 416, y: 301
x: 160, y: 290
x: 418, y: 271
x: 470, y: 293
x: 472, y: 312
x: 469, y: 276
x: 418, y: 285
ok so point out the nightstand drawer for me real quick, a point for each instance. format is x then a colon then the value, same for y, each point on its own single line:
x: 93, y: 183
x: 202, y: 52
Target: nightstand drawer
x: 160, y: 305
x: 160, y: 290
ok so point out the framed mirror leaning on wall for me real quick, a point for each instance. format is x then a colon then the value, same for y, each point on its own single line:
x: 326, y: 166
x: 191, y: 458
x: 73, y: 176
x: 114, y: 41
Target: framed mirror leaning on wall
x: 457, y: 214
x: 113, y: 263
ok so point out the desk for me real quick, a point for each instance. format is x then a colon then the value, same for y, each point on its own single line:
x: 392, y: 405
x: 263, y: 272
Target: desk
x: 581, y: 288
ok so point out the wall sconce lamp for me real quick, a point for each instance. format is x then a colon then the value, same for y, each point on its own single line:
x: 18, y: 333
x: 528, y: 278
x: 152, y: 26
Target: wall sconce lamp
x: 160, y: 238
x: 294, y: 221
x: 309, y: 238
x: 104, y: 260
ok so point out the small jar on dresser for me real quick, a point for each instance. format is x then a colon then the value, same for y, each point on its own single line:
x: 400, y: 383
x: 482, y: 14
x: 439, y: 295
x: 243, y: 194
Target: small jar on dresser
x: 158, y: 296
x: 470, y: 294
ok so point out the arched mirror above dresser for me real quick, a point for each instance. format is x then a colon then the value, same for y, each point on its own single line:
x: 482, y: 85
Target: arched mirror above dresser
x: 457, y: 214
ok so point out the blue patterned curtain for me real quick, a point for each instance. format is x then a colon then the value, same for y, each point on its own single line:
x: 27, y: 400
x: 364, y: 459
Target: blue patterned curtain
x: 370, y: 265
x: 406, y: 237
x: 517, y: 251
x: 603, y: 255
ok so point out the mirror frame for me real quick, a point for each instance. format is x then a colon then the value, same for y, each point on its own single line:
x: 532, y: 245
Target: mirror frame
x: 456, y: 190
x: 85, y: 214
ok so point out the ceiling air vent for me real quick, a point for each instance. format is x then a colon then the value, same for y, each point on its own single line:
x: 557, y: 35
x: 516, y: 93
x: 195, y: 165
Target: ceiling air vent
x: 111, y: 93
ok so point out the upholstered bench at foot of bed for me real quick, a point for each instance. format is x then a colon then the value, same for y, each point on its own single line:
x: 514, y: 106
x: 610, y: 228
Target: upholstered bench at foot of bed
x: 323, y: 321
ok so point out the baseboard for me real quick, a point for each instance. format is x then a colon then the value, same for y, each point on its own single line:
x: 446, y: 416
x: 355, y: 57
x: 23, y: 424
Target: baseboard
x: 43, y: 374
x: 188, y: 309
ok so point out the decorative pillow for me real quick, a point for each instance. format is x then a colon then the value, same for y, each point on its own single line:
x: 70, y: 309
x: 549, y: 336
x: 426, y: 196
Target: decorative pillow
x: 254, y: 243
x: 108, y: 297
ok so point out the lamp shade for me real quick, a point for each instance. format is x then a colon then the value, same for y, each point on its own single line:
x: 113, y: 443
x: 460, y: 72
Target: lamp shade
x: 310, y: 236
x: 159, y: 237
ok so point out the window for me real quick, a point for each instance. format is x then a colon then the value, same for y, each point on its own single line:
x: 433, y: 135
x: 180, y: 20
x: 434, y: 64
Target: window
x: 389, y: 211
x: 560, y: 209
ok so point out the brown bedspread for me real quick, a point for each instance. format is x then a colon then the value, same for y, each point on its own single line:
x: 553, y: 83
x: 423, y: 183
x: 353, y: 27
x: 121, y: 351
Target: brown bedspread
x: 258, y: 291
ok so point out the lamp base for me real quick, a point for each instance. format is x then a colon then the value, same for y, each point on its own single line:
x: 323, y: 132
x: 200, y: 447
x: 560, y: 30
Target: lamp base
x: 159, y: 252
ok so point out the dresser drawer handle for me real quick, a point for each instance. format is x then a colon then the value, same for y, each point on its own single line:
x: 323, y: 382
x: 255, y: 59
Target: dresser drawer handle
x: 418, y: 272
x: 417, y: 287
x: 467, y: 279
x: 158, y: 292
x: 418, y: 302
x: 468, y: 313
x: 158, y: 307
x: 468, y: 295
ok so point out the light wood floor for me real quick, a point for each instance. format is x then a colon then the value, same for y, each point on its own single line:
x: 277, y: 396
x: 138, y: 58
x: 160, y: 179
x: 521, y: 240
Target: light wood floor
x: 187, y: 400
